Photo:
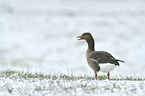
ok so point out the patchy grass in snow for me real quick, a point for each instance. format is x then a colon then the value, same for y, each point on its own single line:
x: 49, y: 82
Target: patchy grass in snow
x: 27, y: 75
x: 26, y: 83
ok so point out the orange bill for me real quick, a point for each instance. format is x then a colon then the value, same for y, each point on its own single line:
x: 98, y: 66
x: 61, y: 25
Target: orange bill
x: 79, y: 37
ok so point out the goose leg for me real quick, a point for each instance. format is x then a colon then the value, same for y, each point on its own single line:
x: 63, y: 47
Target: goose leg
x: 96, y: 75
x: 108, y: 74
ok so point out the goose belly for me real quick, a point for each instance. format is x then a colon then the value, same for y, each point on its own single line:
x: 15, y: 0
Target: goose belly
x: 107, y: 67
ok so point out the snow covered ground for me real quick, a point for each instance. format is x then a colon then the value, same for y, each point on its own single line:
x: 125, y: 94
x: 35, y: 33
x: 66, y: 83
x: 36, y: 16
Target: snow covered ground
x: 27, y: 84
x: 74, y: 88
x: 40, y: 35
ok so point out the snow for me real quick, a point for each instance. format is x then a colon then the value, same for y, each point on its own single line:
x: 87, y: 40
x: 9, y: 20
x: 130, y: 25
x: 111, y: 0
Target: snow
x: 80, y: 87
x: 40, y: 35
x: 47, y: 30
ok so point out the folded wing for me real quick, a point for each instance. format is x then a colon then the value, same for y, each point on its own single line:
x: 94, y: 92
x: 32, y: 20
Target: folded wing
x: 104, y: 57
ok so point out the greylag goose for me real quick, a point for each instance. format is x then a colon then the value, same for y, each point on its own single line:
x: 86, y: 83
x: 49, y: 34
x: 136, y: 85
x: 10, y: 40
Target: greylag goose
x: 98, y: 60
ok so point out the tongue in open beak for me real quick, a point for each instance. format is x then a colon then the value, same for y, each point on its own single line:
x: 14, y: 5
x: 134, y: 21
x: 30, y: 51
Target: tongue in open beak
x: 79, y: 37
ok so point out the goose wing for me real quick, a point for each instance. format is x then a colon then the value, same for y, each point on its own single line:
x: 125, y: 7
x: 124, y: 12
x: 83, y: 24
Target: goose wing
x: 103, y: 57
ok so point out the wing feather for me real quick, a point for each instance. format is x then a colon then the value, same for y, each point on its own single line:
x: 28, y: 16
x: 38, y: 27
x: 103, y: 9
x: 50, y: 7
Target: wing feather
x: 103, y: 57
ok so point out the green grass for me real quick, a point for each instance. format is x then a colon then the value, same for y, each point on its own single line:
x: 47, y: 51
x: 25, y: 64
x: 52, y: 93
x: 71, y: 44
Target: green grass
x: 28, y: 75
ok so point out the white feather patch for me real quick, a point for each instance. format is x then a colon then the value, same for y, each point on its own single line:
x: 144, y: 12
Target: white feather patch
x: 106, y: 68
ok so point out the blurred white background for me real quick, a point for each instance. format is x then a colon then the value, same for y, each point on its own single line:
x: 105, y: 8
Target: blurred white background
x: 40, y: 35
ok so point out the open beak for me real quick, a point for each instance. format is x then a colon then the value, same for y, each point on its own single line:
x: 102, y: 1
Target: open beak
x: 79, y: 37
